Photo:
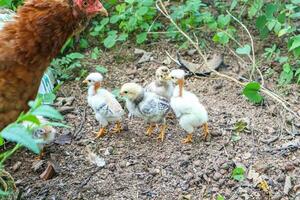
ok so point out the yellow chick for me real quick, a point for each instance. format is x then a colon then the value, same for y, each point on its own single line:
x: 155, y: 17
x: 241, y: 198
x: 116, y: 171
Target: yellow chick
x: 146, y: 105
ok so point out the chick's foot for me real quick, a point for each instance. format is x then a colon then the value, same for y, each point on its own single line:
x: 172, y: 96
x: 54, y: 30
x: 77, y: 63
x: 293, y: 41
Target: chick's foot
x: 41, y: 155
x: 162, y: 132
x: 118, y: 128
x: 150, y: 130
x: 205, y: 131
x: 188, y: 139
x: 101, y: 132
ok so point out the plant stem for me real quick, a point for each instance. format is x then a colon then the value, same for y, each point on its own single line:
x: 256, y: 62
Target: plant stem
x: 10, y: 153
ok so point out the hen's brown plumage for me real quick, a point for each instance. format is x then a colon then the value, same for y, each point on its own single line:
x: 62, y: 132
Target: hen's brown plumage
x: 27, y: 47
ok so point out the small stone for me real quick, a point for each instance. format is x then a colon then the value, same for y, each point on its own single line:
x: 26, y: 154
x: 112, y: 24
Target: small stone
x: 16, y: 166
x: 188, y: 176
x: 221, y: 182
x: 123, y: 163
x: 287, y: 185
x: 281, y: 178
x: 223, y: 171
x: 225, y: 166
x: 191, y: 52
x: 197, y: 163
x: 154, y: 171
x: 277, y: 196
x: 289, y: 167
x: 217, y: 176
x: 108, y: 151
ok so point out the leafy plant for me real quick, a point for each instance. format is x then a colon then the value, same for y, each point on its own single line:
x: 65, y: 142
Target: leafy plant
x: 22, y: 134
x: 220, y: 197
x: 68, y: 67
x: 251, y: 91
x: 238, y: 174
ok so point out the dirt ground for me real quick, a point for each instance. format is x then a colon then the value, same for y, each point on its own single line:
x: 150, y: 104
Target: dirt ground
x: 140, y: 167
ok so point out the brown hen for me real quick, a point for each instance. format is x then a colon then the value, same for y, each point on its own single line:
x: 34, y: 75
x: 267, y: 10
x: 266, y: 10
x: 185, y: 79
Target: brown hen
x: 30, y: 42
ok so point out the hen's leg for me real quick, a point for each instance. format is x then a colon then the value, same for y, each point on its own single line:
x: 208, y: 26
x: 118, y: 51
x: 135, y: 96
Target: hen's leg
x: 101, y: 132
x: 118, y: 128
x: 205, y: 131
x: 162, y: 132
x: 188, y: 139
x: 150, y: 129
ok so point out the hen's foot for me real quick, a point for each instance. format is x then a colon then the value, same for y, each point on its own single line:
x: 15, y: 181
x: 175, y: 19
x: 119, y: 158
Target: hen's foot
x: 188, y: 139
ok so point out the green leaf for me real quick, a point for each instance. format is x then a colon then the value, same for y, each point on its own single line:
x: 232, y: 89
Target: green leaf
x: 18, y: 133
x: 123, y: 37
x: 286, y: 75
x: 75, y: 55
x: 83, y: 43
x: 245, y: 50
x: 296, y: 43
x: 142, y: 11
x: 142, y: 37
x: 255, y: 7
x: 221, y: 38
x: 1, y: 140
x: 47, y: 98
x: 95, y: 53
x: 101, y: 69
x: 29, y: 118
x: 110, y: 41
x: 129, y: 1
x: 251, y: 91
x: 223, y: 20
x: 47, y: 111
x: 114, y: 19
x: 233, y: 4
x: 238, y: 174
x: 270, y: 10
x: 220, y: 197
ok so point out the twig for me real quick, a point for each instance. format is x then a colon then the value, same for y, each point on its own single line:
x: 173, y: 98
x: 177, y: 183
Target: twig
x: 83, y: 119
x: 161, y: 7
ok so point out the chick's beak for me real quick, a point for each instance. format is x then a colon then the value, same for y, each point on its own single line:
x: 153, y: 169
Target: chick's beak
x: 168, y: 77
x: 85, y: 81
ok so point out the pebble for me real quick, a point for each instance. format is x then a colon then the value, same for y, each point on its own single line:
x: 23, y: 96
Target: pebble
x: 108, y: 151
x: 197, y: 163
x: 289, y: 167
x: 217, y: 176
x: 281, y: 178
x: 287, y: 185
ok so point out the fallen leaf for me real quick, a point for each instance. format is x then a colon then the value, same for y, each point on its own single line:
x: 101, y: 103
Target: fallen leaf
x: 48, y: 173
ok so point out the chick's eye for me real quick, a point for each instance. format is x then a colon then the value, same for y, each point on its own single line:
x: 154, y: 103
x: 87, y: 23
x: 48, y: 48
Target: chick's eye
x: 125, y: 92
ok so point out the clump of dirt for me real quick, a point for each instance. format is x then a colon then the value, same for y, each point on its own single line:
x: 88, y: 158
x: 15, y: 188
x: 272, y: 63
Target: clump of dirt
x: 140, y: 167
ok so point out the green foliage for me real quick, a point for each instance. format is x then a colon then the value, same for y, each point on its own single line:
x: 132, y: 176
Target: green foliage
x: 22, y: 134
x: 251, y: 91
x: 220, y: 197
x: 101, y: 69
x: 238, y: 174
x: 68, y: 67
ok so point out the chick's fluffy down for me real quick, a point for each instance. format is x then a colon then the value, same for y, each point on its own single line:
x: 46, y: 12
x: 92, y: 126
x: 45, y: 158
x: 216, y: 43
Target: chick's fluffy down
x: 191, y: 113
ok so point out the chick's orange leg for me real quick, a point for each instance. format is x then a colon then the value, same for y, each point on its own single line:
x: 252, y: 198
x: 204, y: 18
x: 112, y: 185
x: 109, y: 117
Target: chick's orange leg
x: 150, y: 130
x: 162, y: 132
x: 188, y: 139
x: 118, y: 128
x: 205, y: 131
x: 101, y: 132
x: 41, y: 155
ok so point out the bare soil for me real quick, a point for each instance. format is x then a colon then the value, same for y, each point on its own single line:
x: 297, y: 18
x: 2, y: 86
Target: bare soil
x: 140, y: 167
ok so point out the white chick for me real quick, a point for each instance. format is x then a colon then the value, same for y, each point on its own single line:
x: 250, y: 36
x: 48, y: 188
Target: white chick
x: 44, y: 134
x: 146, y: 105
x: 187, y: 107
x: 106, y: 107
x: 161, y: 85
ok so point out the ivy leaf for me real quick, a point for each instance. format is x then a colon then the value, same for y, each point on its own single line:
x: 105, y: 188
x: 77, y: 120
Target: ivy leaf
x: 251, y: 91
x: 20, y: 134
x: 221, y: 38
x: 114, y: 19
x: 233, y: 4
x: 101, y: 69
x: 47, y: 111
x: 83, y: 43
x: 75, y: 55
x: 142, y: 37
x: 223, y: 20
x: 245, y: 50
x: 296, y: 43
x: 142, y: 11
x: 238, y: 174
